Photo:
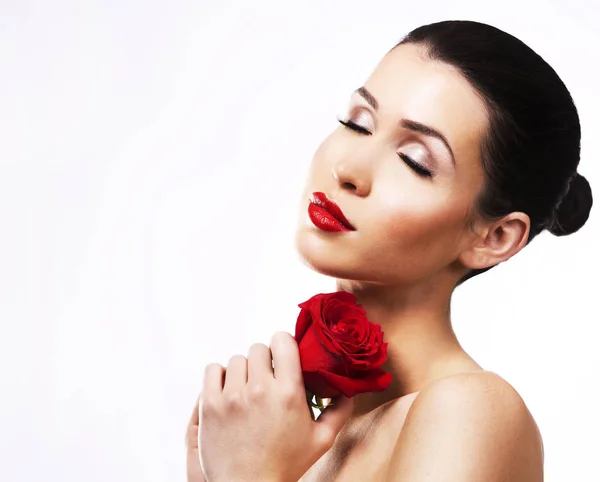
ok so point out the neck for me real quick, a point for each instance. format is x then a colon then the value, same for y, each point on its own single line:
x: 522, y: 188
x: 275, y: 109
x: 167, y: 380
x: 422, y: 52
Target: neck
x: 422, y: 345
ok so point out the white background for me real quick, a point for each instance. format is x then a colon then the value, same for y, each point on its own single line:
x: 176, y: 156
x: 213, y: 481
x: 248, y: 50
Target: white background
x: 140, y: 140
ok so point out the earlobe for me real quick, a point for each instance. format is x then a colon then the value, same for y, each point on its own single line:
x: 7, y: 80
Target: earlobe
x: 500, y: 241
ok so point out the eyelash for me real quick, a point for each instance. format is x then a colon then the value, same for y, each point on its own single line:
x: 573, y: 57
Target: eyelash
x: 419, y: 170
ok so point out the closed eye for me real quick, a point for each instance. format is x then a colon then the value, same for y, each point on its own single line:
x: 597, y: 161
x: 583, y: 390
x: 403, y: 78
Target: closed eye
x: 355, y: 127
x: 416, y: 167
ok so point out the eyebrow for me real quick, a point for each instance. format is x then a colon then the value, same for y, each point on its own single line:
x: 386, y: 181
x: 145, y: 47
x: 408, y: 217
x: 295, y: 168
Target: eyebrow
x: 407, y: 123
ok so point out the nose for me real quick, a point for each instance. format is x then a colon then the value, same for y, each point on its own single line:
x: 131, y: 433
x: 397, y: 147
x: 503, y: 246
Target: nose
x: 352, y: 177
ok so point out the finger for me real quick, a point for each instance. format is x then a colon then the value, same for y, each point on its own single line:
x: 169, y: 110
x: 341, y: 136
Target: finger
x: 195, y: 418
x: 236, y: 375
x: 260, y: 362
x: 286, y: 359
x: 332, y: 420
x: 191, y: 435
x: 214, y: 378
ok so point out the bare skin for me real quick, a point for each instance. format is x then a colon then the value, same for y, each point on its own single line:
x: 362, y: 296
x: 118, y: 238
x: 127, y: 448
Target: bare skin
x: 368, y: 446
x: 192, y: 457
x: 443, y: 418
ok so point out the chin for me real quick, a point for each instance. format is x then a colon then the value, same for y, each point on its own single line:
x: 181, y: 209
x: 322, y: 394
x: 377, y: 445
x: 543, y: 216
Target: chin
x: 325, y: 255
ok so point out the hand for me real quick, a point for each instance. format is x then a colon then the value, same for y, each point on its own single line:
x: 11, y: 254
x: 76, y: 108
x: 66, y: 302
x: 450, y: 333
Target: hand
x: 255, y: 421
x: 194, y: 469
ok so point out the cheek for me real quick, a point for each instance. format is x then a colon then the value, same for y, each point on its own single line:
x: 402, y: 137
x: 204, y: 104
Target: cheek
x: 423, y: 229
x: 425, y: 222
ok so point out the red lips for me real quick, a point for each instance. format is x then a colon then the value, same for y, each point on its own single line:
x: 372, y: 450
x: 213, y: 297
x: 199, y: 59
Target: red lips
x: 320, y: 199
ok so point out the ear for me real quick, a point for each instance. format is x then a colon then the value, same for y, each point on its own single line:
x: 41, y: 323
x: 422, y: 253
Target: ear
x: 497, y: 241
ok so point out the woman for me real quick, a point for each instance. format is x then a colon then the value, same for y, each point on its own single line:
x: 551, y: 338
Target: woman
x: 459, y: 149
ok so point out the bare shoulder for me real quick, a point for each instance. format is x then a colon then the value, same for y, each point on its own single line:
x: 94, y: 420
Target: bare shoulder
x: 474, y: 425
x: 475, y: 395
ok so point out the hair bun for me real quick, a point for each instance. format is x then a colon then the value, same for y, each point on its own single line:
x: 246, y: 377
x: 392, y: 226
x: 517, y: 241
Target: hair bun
x: 574, y: 210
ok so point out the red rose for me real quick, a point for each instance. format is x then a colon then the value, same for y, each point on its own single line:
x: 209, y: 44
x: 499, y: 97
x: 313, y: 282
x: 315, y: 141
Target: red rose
x: 341, y: 351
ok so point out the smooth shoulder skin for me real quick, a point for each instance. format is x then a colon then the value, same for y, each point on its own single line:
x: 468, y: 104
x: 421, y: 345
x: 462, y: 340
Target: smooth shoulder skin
x: 468, y: 427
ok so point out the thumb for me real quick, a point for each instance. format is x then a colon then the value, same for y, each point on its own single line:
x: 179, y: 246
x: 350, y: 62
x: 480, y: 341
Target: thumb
x: 333, y: 419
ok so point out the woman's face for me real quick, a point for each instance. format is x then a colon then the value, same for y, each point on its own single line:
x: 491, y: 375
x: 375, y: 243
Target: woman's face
x: 407, y: 194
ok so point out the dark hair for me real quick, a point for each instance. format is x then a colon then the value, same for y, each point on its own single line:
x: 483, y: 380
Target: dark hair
x: 531, y: 151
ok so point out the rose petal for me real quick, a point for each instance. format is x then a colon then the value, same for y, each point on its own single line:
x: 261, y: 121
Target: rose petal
x: 340, y: 349
x: 302, y: 324
x: 314, y: 356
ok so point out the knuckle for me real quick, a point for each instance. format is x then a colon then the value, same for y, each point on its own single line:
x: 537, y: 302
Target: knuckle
x: 258, y: 346
x: 212, y: 367
x: 279, y: 336
x: 209, y: 407
x: 288, y: 396
x: 234, y: 400
x: 257, y: 392
x: 237, y: 358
